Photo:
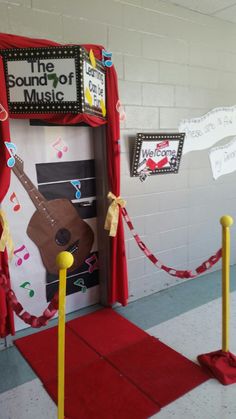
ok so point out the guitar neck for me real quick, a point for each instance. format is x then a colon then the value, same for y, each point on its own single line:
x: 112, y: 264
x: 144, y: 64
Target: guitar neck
x: 34, y: 194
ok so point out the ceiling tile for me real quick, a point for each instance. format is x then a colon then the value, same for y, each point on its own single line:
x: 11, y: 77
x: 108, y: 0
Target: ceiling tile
x: 228, y: 14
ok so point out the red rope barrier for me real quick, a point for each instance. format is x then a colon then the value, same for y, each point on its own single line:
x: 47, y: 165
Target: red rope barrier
x: 183, y: 274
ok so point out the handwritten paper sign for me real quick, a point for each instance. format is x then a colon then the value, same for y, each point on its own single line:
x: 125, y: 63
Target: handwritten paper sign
x: 52, y: 80
x: 157, y: 154
x: 203, y: 132
x: 223, y: 159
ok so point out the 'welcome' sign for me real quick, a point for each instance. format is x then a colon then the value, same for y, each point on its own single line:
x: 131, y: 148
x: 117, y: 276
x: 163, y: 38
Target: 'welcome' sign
x: 157, y: 153
x: 50, y: 80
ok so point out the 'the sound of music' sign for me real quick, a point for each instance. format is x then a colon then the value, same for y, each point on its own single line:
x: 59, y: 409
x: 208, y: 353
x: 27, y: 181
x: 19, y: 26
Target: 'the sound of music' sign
x: 157, y: 154
x: 53, y: 80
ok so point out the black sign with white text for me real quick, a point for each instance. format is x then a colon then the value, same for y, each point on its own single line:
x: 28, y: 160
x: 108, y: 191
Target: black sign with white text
x: 53, y: 80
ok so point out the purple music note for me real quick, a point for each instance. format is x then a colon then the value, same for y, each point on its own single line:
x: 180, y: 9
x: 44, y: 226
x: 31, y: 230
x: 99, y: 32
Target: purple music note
x: 77, y: 185
x: 23, y: 252
x: 11, y: 147
x: 92, y: 263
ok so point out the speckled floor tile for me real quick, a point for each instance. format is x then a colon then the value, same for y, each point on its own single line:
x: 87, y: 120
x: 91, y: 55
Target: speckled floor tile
x: 183, y: 408
x: 27, y: 401
x: 193, y: 333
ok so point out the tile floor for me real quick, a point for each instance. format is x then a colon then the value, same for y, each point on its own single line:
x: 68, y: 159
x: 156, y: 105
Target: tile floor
x: 166, y: 315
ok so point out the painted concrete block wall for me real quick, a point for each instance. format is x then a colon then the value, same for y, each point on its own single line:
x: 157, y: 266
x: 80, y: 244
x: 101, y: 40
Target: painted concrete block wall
x: 172, y: 64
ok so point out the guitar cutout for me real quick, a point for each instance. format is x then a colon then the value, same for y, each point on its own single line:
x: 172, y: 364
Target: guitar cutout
x: 55, y: 225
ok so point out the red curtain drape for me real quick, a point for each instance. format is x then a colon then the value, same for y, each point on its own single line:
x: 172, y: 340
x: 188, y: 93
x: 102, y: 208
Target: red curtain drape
x: 118, y: 287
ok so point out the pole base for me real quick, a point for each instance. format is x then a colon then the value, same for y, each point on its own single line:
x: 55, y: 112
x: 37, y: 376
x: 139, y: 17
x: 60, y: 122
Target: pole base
x: 221, y: 365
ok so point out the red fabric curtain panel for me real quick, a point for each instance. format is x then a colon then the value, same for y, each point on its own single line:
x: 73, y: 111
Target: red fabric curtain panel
x: 118, y: 286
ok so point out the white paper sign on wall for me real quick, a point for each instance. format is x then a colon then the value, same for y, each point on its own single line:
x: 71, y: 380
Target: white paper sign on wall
x: 204, y: 132
x: 223, y: 159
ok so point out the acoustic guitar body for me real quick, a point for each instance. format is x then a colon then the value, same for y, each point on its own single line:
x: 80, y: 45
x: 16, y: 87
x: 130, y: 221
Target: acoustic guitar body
x: 56, y: 227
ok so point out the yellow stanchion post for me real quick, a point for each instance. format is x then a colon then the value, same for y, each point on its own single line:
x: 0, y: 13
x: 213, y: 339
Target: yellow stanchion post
x: 64, y: 261
x: 222, y: 363
x: 226, y: 221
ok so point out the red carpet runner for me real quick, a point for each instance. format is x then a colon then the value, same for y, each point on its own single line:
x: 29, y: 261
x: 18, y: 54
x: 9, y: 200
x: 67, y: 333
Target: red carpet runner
x: 114, y: 370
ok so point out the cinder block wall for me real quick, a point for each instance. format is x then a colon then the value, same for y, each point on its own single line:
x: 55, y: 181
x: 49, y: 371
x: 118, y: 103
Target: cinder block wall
x: 172, y: 64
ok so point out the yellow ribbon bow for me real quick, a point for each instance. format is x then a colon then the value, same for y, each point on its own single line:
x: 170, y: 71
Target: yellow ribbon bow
x: 5, y: 239
x: 112, y: 217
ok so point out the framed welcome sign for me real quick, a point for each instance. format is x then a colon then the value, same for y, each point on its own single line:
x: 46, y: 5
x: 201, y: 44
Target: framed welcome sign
x: 54, y: 80
x: 157, y: 154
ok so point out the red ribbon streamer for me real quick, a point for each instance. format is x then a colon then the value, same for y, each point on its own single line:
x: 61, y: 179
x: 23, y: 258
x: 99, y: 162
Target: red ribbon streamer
x: 33, y: 321
x: 52, y: 308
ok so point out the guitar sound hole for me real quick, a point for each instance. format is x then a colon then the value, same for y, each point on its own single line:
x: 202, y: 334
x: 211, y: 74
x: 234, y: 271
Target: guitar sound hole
x: 62, y: 237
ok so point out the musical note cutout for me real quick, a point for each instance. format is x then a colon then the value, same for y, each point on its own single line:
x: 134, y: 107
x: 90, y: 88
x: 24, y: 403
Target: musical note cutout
x: 24, y: 254
x: 60, y: 146
x: 15, y: 201
x: 77, y: 185
x: 143, y: 175
x: 120, y: 109
x: 55, y: 79
x: 103, y: 107
x: 3, y: 113
x: 26, y: 286
x: 12, y: 151
x: 80, y: 283
x: 88, y: 97
x: 92, y: 59
x: 92, y: 263
x: 106, y: 58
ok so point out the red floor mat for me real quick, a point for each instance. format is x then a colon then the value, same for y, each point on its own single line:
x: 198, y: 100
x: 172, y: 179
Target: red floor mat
x: 40, y: 350
x: 112, y: 331
x: 99, y: 391
x: 162, y: 373
x: 113, y: 368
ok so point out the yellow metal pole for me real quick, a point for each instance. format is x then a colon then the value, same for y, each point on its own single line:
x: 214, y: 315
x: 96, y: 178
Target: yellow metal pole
x: 226, y: 221
x: 64, y: 261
